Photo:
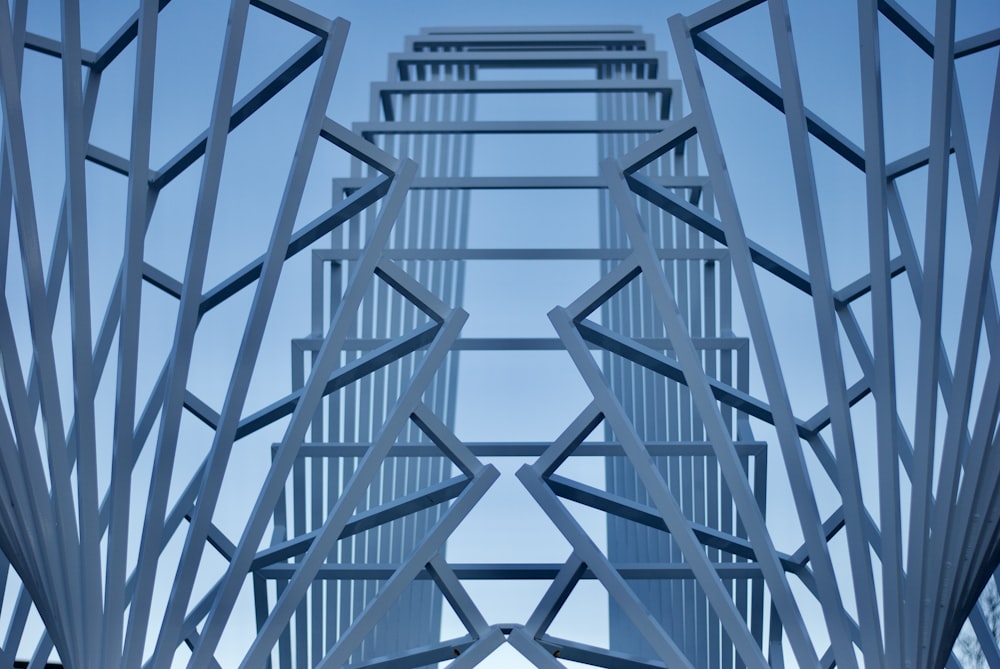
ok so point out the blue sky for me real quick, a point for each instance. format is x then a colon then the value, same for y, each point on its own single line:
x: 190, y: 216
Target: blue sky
x: 513, y: 299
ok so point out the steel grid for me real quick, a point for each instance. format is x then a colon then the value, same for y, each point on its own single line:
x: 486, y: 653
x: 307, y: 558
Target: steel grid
x: 97, y: 604
x: 622, y: 81
x: 367, y: 480
x: 917, y: 634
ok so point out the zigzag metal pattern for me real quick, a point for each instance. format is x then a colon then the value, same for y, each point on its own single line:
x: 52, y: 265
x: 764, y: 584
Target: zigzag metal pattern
x: 914, y: 574
x: 95, y: 611
x: 952, y: 552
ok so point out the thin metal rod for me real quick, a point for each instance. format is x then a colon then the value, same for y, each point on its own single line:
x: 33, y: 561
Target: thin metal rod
x: 930, y: 327
x: 285, y: 457
x: 239, y: 384
x: 829, y: 342
x: 805, y: 501
x: 658, y: 491
x: 351, y: 494
x: 187, y: 321
x: 702, y: 396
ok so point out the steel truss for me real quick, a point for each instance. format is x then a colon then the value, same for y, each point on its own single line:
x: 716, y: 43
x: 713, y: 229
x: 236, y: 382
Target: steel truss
x: 96, y: 605
x: 928, y: 590
x: 365, y: 451
x: 427, y: 112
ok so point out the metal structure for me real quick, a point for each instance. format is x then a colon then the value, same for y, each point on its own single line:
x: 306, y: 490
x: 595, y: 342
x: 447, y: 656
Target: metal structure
x: 344, y: 429
x: 73, y: 545
x: 428, y: 112
x: 661, y: 409
x: 926, y: 590
x: 129, y: 555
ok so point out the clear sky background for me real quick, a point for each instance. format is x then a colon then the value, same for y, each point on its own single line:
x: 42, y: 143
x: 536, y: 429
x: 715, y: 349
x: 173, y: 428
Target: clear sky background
x: 502, y: 298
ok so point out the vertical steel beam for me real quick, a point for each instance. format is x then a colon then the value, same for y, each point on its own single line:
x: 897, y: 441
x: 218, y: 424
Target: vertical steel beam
x: 829, y: 339
x: 187, y: 322
x: 930, y: 328
x: 746, y: 279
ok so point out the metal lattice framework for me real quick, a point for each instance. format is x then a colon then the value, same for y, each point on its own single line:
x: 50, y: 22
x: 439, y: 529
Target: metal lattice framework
x: 120, y: 551
x: 910, y: 610
x: 95, y: 603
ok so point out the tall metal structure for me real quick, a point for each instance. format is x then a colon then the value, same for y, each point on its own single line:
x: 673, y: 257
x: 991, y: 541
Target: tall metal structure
x: 144, y: 501
x: 914, y: 615
x: 116, y: 575
x: 428, y: 113
x: 431, y: 219
x: 660, y: 408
